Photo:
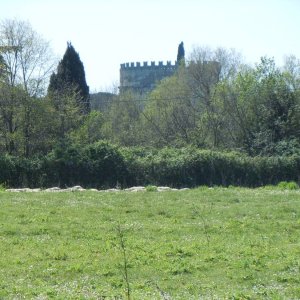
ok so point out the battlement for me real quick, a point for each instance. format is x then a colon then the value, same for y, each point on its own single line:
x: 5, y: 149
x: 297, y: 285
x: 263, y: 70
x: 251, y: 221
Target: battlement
x: 143, y: 77
x: 148, y: 65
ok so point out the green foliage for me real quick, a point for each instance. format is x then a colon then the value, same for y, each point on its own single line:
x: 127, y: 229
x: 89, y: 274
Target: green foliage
x: 70, y: 75
x: 66, y: 116
x: 192, y: 167
x: 213, y: 102
x: 292, y: 185
x: 170, y: 117
x: 247, y: 117
x: 122, y: 122
x: 96, y: 165
x: 216, y: 105
x: 3, y: 67
x: 3, y: 187
x: 104, y: 165
x: 90, y: 131
x: 151, y: 188
x: 8, y: 170
x: 262, y: 110
x: 65, y: 245
x: 13, y: 103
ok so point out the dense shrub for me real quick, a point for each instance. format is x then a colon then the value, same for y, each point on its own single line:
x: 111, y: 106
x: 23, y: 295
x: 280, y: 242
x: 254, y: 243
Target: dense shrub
x: 292, y: 185
x: 18, y: 171
x: 104, y: 165
x: 7, y: 170
x: 193, y: 167
x: 97, y: 165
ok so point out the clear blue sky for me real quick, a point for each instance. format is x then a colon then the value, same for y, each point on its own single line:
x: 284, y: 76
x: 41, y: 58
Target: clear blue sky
x: 109, y: 32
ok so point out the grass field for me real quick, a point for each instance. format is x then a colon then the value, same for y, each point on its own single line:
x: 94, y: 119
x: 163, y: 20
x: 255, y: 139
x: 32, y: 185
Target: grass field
x: 204, y: 243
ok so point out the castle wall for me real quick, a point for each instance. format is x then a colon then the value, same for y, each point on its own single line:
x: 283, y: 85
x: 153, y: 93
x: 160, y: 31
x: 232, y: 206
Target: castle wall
x: 143, y: 78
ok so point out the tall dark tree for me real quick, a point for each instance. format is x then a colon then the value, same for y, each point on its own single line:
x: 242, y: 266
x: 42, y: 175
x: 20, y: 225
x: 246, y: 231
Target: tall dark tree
x: 180, y: 54
x: 71, y: 76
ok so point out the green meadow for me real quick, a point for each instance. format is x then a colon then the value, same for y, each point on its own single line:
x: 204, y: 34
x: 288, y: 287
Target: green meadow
x: 205, y: 243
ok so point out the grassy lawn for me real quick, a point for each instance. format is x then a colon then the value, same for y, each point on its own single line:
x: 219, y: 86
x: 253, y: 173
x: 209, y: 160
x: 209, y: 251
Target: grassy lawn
x: 198, y: 244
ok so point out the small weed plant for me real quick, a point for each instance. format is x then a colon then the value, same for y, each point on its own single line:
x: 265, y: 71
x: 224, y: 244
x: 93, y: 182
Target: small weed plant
x: 285, y: 185
x: 151, y: 188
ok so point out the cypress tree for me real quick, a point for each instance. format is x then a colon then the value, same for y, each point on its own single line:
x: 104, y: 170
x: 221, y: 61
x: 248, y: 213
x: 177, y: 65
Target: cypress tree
x: 180, y: 54
x: 70, y: 75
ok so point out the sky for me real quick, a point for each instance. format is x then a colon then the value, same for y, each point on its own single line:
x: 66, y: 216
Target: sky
x: 107, y: 33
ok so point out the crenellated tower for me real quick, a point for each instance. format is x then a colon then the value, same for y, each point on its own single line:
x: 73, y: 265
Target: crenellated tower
x: 142, y: 78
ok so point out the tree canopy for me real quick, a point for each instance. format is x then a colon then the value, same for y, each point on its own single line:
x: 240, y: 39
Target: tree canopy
x: 213, y: 101
x: 71, y: 74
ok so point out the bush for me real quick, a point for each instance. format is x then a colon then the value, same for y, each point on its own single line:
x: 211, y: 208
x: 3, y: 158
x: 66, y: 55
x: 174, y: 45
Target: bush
x: 292, y: 185
x: 151, y: 188
x: 97, y: 165
x: 191, y: 167
x: 103, y: 165
x: 7, y: 170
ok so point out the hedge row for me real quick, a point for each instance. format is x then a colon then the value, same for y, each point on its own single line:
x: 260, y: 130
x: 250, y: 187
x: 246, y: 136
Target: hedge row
x: 103, y: 165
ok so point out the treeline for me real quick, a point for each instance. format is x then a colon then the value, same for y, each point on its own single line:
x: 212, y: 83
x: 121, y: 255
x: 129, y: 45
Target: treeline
x: 102, y: 165
x: 214, y: 101
x: 216, y: 121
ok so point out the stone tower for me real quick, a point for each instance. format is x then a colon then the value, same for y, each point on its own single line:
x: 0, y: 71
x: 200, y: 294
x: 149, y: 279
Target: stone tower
x: 143, y: 78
